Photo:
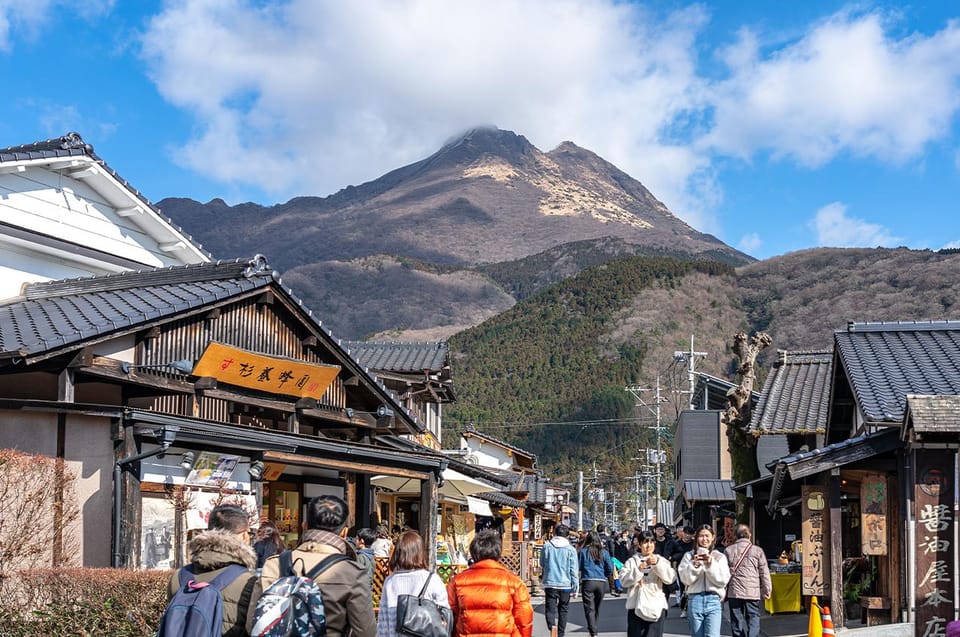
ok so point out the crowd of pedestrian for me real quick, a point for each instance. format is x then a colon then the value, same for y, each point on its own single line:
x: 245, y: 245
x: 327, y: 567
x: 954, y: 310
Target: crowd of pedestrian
x: 647, y: 565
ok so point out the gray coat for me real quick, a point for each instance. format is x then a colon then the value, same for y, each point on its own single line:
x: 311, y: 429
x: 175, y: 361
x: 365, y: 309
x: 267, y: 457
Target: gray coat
x: 752, y: 579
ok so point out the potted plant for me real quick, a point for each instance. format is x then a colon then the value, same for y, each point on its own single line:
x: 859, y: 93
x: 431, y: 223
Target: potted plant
x: 859, y: 574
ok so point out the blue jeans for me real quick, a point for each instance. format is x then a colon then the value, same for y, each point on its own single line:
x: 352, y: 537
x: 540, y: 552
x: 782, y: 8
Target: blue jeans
x: 704, y: 612
x: 744, y: 617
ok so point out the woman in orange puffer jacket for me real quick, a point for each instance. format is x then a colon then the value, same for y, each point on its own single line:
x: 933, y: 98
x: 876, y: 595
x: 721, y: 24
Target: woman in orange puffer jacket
x: 487, y: 599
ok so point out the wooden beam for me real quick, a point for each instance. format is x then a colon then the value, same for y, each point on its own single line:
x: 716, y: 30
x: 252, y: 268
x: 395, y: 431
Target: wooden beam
x: 7, y: 170
x: 130, y: 211
x: 112, y: 371
x: 342, y: 464
x: 83, y: 358
x: 66, y: 388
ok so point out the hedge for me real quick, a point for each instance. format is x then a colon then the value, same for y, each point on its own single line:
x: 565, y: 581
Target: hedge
x: 83, y: 602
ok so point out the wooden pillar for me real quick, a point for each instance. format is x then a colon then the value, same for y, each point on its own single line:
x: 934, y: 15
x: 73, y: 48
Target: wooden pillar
x: 363, y: 500
x: 836, y: 550
x: 129, y: 535
x: 428, y: 516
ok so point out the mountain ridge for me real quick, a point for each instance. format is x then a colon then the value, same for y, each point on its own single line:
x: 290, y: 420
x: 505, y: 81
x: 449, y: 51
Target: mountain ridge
x: 486, y: 197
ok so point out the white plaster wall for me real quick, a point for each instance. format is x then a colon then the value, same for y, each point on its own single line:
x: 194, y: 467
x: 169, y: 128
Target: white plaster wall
x: 488, y: 455
x: 89, y: 454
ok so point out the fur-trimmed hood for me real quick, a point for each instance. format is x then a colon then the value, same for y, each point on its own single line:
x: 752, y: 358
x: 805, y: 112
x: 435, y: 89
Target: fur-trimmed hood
x: 211, y: 550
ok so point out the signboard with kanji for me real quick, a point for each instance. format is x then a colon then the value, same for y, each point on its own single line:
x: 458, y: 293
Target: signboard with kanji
x: 815, y: 524
x: 873, y: 515
x: 936, y: 570
x: 271, y: 374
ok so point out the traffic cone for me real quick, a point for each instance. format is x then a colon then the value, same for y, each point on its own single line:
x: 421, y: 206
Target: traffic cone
x: 814, y: 625
x: 827, y: 623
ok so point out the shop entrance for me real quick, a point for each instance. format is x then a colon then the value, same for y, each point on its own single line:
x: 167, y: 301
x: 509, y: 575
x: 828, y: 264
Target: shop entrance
x: 282, y: 505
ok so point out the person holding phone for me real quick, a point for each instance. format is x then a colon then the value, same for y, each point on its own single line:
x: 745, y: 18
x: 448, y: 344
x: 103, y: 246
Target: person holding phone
x: 705, y: 573
x: 644, y: 576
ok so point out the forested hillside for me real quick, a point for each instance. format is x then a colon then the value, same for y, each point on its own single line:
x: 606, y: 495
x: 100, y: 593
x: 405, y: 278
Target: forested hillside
x: 549, y: 374
x: 565, y: 354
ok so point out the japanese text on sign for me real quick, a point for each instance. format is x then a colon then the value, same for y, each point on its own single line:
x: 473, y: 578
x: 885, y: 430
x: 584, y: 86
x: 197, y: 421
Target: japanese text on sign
x: 933, y: 500
x: 816, y: 556
x: 265, y: 373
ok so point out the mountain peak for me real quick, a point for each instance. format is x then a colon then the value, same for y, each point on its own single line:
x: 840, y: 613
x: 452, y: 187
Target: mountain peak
x: 486, y: 140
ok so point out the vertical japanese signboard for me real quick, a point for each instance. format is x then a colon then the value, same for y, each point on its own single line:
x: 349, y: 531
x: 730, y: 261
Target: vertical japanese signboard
x: 815, y: 516
x: 873, y: 515
x: 933, y: 499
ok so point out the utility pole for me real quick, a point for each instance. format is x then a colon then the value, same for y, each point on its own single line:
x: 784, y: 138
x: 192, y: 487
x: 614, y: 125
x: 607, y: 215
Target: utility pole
x: 580, y: 508
x: 637, y: 394
x: 690, y: 358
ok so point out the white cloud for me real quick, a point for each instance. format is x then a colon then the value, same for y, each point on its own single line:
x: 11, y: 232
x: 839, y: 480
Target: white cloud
x: 953, y: 245
x: 847, y: 86
x: 26, y: 18
x: 749, y: 243
x: 835, y: 229
x: 307, y: 97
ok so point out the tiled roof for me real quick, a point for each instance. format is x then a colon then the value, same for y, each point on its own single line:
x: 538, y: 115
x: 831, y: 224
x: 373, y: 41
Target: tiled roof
x: 839, y: 453
x: 715, y: 390
x: 795, y: 397
x: 400, y: 357
x: 501, y: 498
x: 72, y: 145
x: 55, y: 314
x: 886, y: 361
x: 708, y: 490
x: 471, y: 430
x: 934, y: 414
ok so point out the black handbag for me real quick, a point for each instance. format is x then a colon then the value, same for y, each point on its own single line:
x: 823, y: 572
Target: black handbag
x: 419, y: 617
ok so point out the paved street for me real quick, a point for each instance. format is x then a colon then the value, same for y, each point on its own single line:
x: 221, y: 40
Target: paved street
x: 613, y: 619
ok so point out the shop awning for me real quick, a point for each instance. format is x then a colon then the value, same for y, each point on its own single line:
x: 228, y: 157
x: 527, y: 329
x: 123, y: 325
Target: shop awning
x: 477, y: 506
x: 455, y: 484
x: 284, y: 447
x: 708, y: 490
x: 838, y: 454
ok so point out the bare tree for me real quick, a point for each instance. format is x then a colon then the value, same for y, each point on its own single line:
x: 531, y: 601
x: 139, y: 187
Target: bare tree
x: 38, y: 510
x: 737, y: 414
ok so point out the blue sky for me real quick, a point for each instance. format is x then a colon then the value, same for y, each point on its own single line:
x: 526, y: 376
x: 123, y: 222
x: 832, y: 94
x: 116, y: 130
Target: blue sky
x: 774, y: 126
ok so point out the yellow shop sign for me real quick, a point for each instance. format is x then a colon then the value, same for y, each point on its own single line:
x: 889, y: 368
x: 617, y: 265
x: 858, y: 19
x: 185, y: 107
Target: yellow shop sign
x: 271, y: 374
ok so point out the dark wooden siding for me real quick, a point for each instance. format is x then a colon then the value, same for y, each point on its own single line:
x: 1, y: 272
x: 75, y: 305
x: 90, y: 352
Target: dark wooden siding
x: 248, y: 325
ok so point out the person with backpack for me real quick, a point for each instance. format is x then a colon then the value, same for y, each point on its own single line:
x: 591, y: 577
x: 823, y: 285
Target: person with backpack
x: 217, y: 592
x: 344, y: 584
x: 560, y: 578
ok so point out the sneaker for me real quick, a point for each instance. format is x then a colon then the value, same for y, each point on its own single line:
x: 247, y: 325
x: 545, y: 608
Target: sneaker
x: 683, y: 614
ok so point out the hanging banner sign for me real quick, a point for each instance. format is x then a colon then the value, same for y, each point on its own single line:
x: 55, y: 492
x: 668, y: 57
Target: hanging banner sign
x: 271, y: 374
x: 936, y: 570
x: 815, y: 522
x: 873, y: 515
